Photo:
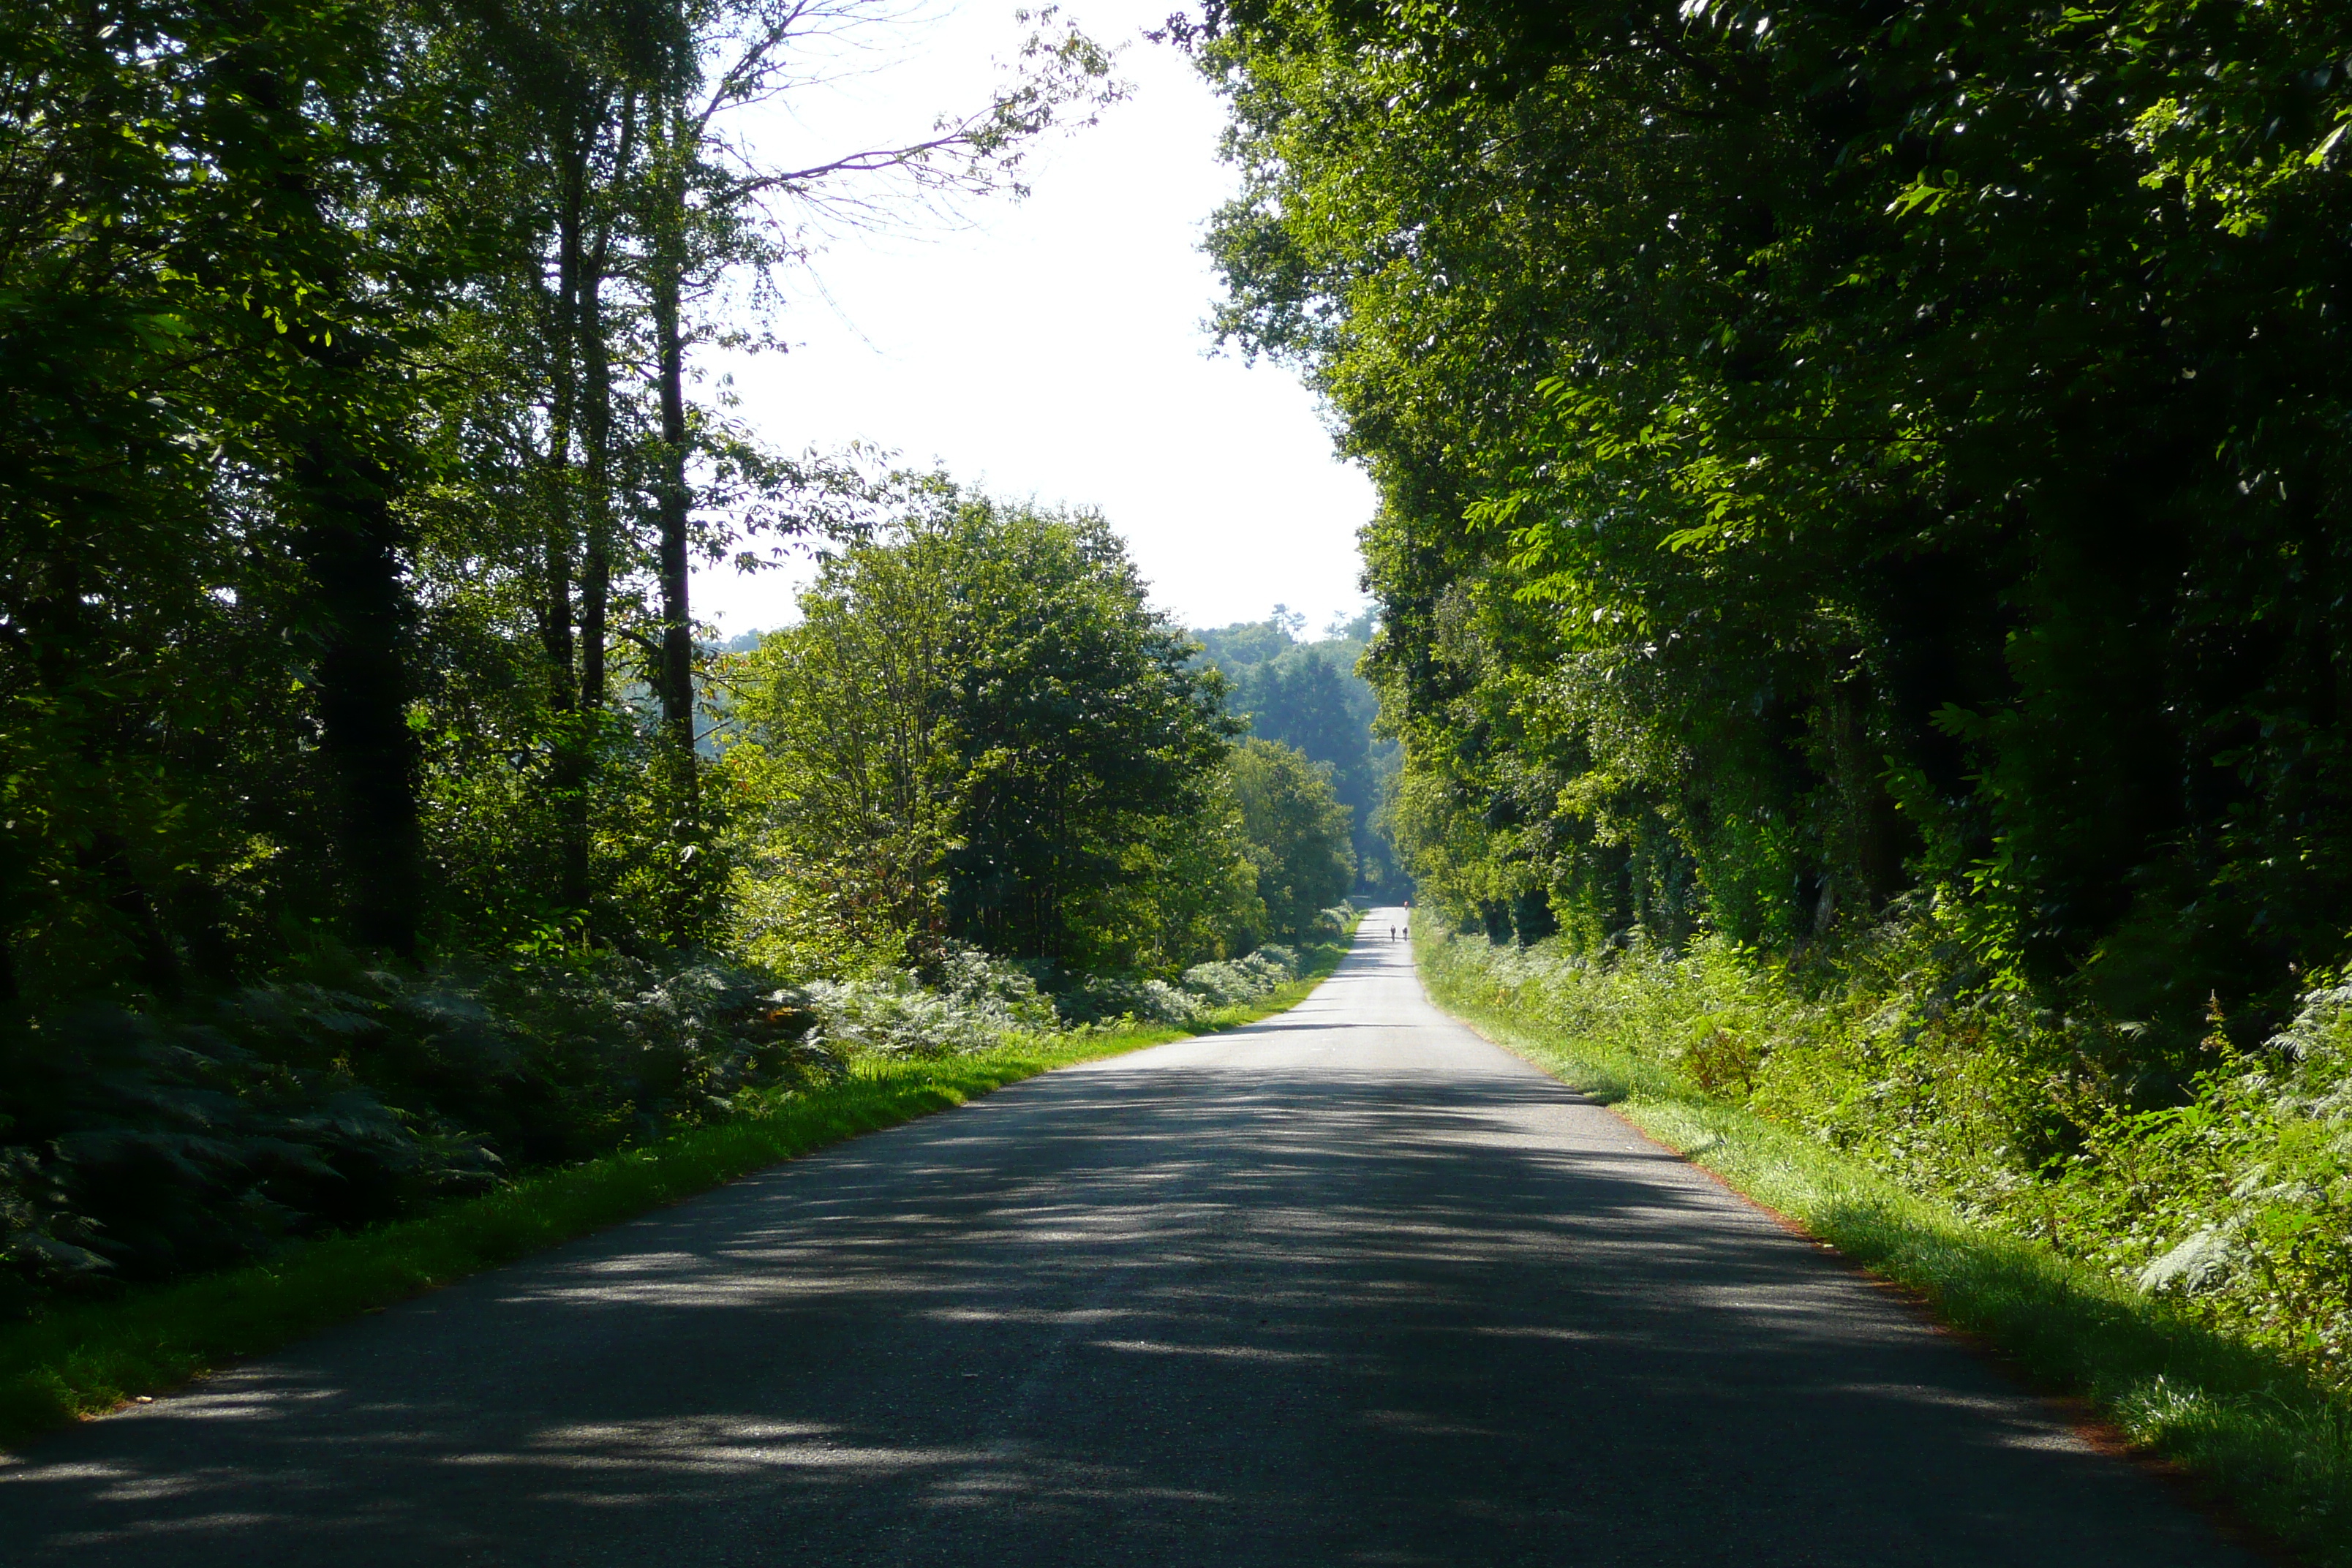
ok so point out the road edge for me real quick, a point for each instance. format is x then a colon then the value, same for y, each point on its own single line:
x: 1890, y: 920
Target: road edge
x: 2052, y: 1326
x: 86, y: 1360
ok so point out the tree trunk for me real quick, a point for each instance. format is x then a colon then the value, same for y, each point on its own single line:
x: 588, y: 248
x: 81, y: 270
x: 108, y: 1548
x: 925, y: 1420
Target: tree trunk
x: 674, y: 677
x: 108, y: 858
x: 570, y: 762
x: 596, y: 430
x: 346, y: 540
x: 349, y: 544
x: 1874, y: 830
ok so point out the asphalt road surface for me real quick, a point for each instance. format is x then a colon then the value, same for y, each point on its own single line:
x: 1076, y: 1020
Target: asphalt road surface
x: 1348, y: 1286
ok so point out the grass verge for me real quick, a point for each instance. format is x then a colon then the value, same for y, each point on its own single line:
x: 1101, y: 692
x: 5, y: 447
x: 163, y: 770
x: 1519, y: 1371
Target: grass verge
x: 83, y: 1359
x: 2248, y: 1431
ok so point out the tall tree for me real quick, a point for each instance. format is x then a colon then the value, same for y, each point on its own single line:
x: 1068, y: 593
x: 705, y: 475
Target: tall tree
x: 980, y: 728
x: 1838, y: 455
x: 711, y: 204
x: 1298, y: 833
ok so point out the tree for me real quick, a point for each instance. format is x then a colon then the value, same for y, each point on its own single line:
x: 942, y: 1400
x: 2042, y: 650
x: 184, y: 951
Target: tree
x: 1309, y: 695
x: 1860, y: 455
x: 981, y: 729
x: 206, y: 621
x: 706, y: 206
x: 852, y: 751
x: 1298, y: 833
x: 1080, y: 720
x: 612, y: 209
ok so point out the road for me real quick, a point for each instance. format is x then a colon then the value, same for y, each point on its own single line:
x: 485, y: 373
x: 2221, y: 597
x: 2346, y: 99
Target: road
x: 1349, y: 1286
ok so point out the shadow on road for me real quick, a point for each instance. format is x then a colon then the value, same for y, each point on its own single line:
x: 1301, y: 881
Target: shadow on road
x: 1238, y: 1300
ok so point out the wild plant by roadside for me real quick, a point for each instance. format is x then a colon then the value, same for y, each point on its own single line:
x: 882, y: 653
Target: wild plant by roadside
x: 972, y: 1003
x: 134, y: 1145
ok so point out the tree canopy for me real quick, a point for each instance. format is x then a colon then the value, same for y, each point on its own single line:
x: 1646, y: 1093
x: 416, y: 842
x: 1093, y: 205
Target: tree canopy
x: 1298, y: 835
x: 1308, y: 694
x: 1832, y: 457
x: 981, y: 730
x: 354, y: 462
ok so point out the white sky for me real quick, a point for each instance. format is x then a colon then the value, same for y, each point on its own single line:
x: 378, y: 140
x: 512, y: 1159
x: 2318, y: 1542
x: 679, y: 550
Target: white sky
x: 1052, y: 349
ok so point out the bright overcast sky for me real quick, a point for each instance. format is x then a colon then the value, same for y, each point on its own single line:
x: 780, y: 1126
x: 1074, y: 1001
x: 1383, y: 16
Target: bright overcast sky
x: 1052, y: 349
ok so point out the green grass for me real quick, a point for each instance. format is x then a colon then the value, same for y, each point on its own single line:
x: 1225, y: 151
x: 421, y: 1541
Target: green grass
x: 2249, y: 1431
x: 83, y: 1359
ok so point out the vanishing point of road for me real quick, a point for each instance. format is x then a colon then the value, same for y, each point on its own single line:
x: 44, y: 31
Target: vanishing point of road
x: 1348, y: 1286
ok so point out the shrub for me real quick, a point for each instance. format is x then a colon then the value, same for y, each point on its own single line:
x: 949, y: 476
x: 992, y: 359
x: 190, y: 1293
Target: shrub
x: 972, y: 1004
x: 136, y: 1145
x: 1205, y: 988
x: 1099, y: 997
x: 1231, y: 983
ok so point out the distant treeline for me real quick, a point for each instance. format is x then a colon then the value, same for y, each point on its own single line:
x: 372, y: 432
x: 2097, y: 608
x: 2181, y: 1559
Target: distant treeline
x: 1309, y: 695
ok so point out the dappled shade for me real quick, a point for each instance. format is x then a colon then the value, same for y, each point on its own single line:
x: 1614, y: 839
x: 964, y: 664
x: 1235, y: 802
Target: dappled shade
x: 1349, y: 1286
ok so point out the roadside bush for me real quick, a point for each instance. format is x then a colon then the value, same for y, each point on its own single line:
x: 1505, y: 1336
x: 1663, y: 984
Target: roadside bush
x: 1230, y: 983
x: 973, y: 1003
x: 1099, y: 998
x: 138, y: 1145
x: 2240, y: 1202
x: 1205, y: 988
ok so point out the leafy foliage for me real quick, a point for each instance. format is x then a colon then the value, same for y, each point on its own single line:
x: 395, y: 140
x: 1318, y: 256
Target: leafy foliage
x: 973, y: 1003
x: 1309, y: 695
x: 2232, y: 1203
x: 980, y: 730
x: 139, y: 1144
x: 1200, y: 993
x: 1297, y: 836
x: 1834, y: 454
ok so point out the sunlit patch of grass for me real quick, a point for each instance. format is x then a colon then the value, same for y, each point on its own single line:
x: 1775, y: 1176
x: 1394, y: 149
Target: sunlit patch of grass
x: 2250, y: 1429
x: 82, y: 1359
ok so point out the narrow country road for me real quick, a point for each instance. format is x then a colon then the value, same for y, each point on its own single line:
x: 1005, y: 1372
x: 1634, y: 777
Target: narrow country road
x: 1348, y: 1286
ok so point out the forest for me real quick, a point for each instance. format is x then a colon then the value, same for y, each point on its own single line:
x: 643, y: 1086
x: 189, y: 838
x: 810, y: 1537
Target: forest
x: 377, y: 822
x: 1309, y: 695
x: 1862, y: 565
x: 1859, y: 602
